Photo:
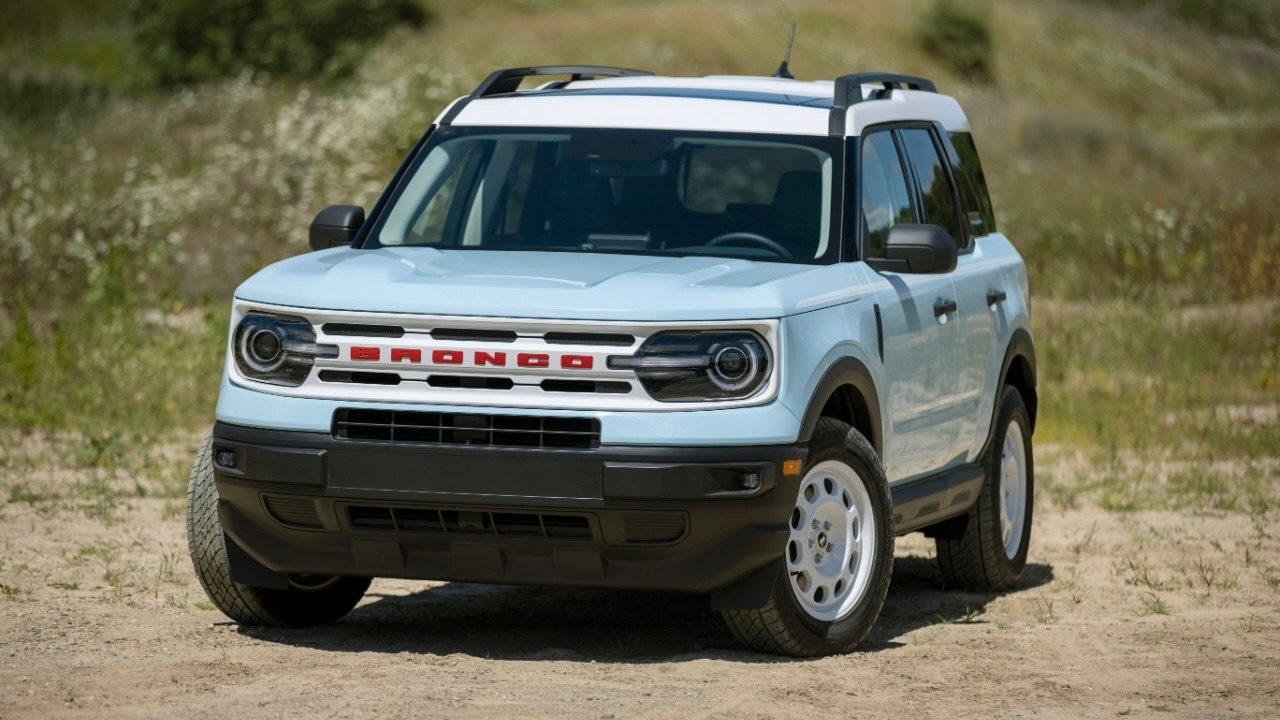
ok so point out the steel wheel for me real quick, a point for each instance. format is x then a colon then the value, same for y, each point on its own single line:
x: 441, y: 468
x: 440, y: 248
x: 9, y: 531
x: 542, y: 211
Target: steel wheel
x: 987, y: 551
x: 829, y: 585
x: 833, y: 541
x: 1013, y: 490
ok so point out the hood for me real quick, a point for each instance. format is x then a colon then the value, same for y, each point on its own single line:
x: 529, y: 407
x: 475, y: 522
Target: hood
x: 555, y: 285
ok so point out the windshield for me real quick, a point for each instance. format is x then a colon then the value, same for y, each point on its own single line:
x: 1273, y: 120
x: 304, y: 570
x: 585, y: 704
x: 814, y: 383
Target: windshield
x: 765, y: 197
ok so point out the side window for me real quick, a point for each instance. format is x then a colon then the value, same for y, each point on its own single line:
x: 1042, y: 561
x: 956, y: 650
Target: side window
x: 885, y: 201
x: 937, y: 197
x: 967, y: 169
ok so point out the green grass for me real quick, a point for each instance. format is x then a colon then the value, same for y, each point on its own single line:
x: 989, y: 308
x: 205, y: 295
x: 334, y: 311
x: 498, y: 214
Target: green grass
x: 1137, y: 178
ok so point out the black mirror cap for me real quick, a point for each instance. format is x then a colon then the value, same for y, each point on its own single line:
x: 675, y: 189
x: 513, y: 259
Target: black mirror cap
x: 336, y: 226
x: 918, y: 249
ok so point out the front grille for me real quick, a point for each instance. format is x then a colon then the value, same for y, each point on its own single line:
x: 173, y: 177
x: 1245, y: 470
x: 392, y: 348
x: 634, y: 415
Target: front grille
x: 589, y: 338
x: 586, y: 386
x: 291, y: 510
x: 437, y: 428
x: 465, y: 335
x: 471, y: 382
x: 469, y: 522
x: 359, y: 378
x: 354, y: 330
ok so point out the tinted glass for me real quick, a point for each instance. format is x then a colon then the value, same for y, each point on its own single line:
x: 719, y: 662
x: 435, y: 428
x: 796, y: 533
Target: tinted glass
x: 885, y: 201
x: 973, y: 183
x: 626, y: 191
x: 936, y: 194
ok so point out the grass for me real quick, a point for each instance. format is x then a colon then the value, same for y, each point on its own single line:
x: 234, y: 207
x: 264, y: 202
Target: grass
x: 1138, y: 181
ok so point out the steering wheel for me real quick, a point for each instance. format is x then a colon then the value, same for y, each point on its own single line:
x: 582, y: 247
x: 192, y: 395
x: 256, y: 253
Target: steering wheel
x: 768, y: 244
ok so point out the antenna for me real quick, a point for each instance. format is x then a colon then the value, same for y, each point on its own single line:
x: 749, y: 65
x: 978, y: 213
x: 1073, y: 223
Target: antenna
x: 782, y: 71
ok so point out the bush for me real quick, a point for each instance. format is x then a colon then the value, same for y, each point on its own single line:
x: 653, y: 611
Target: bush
x: 188, y: 41
x: 958, y: 37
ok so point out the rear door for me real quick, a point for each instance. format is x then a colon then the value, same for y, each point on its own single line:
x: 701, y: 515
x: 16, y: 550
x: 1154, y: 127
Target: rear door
x: 940, y: 203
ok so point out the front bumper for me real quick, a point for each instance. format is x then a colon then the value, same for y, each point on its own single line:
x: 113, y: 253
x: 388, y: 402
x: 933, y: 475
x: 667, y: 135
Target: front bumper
x: 664, y: 518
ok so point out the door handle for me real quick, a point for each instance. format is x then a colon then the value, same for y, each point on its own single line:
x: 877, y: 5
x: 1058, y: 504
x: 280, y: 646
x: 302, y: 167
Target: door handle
x: 995, y: 297
x: 943, y: 306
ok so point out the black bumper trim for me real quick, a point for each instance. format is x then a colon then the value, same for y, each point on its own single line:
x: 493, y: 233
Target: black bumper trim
x: 670, y: 518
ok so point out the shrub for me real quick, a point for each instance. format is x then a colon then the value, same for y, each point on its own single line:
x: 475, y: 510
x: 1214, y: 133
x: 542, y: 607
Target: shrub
x: 959, y: 37
x: 188, y: 41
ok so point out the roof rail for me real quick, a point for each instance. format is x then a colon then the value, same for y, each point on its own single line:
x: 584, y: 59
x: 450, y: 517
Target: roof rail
x: 501, y: 82
x: 504, y: 82
x: 848, y: 92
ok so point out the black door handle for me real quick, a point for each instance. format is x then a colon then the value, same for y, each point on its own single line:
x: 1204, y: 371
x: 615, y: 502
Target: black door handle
x: 943, y: 306
x: 995, y: 297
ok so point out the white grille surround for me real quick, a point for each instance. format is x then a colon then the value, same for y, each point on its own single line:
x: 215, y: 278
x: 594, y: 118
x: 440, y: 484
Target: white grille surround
x: 488, y: 362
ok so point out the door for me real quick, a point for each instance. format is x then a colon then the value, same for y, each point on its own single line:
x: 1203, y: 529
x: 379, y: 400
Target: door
x: 920, y: 336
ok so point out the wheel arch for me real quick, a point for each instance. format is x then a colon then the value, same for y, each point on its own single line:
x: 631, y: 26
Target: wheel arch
x: 1019, y: 370
x: 846, y: 392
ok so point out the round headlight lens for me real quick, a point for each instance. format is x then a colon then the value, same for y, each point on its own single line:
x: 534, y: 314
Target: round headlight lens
x: 263, y: 349
x: 733, y: 368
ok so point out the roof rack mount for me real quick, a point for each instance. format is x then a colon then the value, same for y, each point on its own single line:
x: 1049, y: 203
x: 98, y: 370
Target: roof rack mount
x: 848, y: 92
x: 504, y: 82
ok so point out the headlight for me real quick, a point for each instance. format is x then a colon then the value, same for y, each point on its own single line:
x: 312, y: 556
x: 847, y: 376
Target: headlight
x: 699, y: 366
x: 277, y: 349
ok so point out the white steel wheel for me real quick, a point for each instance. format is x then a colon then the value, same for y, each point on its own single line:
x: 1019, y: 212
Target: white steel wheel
x: 1013, y: 490
x: 988, y: 550
x: 832, y: 546
x: 831, y: 580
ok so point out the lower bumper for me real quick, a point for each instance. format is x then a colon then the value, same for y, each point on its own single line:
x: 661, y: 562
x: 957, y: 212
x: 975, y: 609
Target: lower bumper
x: 690, y: 519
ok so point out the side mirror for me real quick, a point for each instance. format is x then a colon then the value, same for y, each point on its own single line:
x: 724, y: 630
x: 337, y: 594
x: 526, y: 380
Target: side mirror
x: 918, y: 249
x: 335, y: 226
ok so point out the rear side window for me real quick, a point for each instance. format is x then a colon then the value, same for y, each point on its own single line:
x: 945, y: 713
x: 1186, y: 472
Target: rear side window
x: 967, y: 169
x: 937, y: 197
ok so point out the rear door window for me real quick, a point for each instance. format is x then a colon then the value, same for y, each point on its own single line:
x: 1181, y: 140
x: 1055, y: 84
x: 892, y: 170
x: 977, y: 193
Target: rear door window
x: 937, y: 196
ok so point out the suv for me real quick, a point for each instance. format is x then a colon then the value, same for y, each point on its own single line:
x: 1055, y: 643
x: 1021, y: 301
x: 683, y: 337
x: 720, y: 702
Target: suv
x: 722, y: 335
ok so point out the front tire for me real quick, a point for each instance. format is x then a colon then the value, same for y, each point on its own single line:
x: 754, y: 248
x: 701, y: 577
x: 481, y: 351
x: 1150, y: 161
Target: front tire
x: 309, y: 600
x: 992, y: 552
x: 835, y: 569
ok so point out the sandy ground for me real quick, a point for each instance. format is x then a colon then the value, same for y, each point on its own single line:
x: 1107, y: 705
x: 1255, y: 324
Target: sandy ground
x: 1146, y: 614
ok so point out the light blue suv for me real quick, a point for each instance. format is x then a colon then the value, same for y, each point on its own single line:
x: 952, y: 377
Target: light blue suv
x: 724, y: 335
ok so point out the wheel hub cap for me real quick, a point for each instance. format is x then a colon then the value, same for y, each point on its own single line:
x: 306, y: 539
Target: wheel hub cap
x: 832, y: 544
x: 1013, y: 490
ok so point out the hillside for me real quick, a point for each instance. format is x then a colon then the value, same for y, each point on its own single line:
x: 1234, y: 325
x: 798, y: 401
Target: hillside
x: 1131, y: 150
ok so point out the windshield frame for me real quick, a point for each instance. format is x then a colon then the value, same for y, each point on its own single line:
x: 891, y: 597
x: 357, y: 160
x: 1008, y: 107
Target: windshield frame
x: 832, y: 147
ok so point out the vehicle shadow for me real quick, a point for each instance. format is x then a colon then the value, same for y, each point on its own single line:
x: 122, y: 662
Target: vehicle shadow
x: 541, y: 623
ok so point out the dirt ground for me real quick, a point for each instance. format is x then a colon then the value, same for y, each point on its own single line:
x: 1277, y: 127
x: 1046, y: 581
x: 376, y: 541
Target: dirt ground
x: 1142, y: 614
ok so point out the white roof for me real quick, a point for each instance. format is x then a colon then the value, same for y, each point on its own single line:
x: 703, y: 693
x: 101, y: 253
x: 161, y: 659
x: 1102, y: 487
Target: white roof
x: 717, y: 103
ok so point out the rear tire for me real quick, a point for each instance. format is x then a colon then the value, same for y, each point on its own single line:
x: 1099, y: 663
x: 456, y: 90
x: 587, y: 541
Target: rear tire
x: 992, y: 552
x: 310, y: 599
x: 835, y: 570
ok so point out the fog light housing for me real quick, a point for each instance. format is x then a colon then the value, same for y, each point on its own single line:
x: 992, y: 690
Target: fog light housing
x: 225, y: 459
x: 749, y: 481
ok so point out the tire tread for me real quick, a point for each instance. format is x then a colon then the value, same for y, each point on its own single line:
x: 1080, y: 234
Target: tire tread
x: 976, y: 561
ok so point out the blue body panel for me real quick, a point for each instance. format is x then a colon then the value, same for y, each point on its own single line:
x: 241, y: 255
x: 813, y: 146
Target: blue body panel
x: 566, y: 286
x: 930, y: 418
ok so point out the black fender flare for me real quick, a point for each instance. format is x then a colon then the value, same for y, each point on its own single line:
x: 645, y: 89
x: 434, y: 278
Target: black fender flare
x: 845, y: 371
x: 1020, y: 347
